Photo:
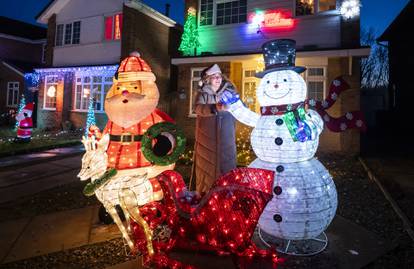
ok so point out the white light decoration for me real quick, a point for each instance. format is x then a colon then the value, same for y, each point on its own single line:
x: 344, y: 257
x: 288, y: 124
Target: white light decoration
x: 94, y: 165
x: 51, y: 91
x: 305, y: 198
x: 350, y: 8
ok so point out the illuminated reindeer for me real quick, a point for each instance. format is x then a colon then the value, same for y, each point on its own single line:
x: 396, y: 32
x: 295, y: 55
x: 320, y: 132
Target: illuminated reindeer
x: 106, y: 184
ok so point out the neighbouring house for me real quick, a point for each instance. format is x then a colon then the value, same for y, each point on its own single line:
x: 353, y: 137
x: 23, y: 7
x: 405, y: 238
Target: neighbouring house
x: 21, y: 49
x: 400, y: 90
x: 85, y: 42
x: 231, y: 34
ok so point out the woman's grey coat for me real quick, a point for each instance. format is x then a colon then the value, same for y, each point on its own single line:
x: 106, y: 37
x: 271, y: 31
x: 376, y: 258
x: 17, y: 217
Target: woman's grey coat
x: 215, y: 146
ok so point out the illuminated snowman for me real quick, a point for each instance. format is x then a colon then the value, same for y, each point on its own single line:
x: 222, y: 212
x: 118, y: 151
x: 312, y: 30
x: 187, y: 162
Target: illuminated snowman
x: 285, y: 138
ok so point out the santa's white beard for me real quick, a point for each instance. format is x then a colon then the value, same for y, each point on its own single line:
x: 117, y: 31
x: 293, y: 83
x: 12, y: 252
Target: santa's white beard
x: 126, y: 114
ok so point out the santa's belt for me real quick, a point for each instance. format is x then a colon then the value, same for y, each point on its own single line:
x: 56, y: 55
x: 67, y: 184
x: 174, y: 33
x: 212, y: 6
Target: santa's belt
x: 125, y: 138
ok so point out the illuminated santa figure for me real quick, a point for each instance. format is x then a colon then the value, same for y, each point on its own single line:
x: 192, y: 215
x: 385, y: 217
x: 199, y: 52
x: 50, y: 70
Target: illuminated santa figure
x: 138, y: 143
x: 25, y: 123
x: 285, y: 138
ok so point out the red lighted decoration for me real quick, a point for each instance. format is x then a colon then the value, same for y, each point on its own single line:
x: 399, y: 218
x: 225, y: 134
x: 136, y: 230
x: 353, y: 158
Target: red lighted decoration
x: 271, y: 20
x: 222, y: 221
x: 277, y: 19
x: 113, y: 27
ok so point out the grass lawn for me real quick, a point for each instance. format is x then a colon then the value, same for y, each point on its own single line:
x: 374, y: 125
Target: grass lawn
x: 41, y: 140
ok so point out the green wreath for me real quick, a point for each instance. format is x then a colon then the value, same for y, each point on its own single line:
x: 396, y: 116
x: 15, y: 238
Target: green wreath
x: 152, y: 133
x: 91, y: 187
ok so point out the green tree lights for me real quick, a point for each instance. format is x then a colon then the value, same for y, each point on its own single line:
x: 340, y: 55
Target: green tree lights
x: 189, y: 39
x: 90, y: 120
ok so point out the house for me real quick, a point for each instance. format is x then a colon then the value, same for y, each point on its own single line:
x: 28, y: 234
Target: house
x: 85, y: 43
x: 231, y: 34
x: 400, y: 90
x: 21, y: 49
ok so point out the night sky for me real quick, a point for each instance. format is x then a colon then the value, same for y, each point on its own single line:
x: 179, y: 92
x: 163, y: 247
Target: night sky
x: 375, y: 13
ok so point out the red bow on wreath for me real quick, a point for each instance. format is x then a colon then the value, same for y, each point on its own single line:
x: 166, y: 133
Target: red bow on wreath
x: 353, y: 119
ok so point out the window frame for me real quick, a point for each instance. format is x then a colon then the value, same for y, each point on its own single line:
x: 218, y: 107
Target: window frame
x: 113, y: 16
x: 62, y: 39
x: 193, y: 79
x: 214, y: 17
x: 323, y: 79
x: 15, y: 96
x: 315, y: 9
x: 91, y: 83
x: 46, y: 87
x: 250, y: 79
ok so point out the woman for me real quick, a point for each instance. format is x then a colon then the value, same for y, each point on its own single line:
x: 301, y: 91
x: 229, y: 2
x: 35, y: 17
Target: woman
x: 215, y: 146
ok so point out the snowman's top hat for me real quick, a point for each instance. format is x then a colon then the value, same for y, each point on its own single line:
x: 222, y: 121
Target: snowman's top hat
x: 279, y: 54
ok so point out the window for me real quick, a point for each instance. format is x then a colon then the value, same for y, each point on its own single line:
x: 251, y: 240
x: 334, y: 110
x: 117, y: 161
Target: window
x: 231, y: 12
x: 316, y: 81
x: 98, y: 86
x: 308, y: 7
x: 67, y: 34
x: 304, y: 7
x: 12, y: 94
x: 206, y: 12
x: 195, y: 78
x: 325, y: 5
x: 113, y: 27
x: 51, y: 83
x: 249, y: 90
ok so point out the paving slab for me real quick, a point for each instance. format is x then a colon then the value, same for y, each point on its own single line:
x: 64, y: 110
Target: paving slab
x: 9, y: 233
x: 100, y: 232
x: 132, y: 264
x: 52, y: 233
x: 350, y: 247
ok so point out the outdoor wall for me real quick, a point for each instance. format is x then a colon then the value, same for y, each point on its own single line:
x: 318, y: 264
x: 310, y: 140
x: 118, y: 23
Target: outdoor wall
x: 155, y: 42
x: 7, y: 75
x: 93, y: 48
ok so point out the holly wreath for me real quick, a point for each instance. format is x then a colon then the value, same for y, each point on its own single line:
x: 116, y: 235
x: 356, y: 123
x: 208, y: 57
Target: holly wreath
x: 152, y: 133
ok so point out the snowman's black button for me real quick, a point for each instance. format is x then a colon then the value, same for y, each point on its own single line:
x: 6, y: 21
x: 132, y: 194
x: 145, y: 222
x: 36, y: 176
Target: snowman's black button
x: 279, y: 122
x: 278, y: 141
x: 280, y: 168
x: 277, y: 218
x: 277, y: 190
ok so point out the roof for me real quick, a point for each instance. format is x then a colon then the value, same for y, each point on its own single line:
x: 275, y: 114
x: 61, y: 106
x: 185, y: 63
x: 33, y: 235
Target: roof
x: 55, y: 6
x: 21, y: 29
x: 20, y: 67
x: 402, y: 24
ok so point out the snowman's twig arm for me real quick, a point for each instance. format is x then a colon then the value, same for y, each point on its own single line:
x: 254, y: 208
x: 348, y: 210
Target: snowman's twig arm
x: 243, y: 114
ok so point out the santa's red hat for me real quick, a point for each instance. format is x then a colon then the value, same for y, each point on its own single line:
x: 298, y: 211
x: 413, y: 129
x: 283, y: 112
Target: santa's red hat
x: 28, y: 108
x: 134, y: 68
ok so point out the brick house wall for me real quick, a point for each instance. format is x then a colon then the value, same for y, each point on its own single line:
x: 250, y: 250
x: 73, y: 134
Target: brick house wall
x: 7, y: 75
x: 20, y: 51
x: 156, y: 43
x: 50, y: 39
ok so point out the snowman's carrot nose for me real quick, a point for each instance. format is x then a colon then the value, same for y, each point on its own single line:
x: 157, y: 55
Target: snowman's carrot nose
x: 125, y: 92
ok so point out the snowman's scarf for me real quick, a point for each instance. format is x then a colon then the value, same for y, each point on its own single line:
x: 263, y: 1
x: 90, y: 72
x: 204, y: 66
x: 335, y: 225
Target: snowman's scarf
x: 353, y: 119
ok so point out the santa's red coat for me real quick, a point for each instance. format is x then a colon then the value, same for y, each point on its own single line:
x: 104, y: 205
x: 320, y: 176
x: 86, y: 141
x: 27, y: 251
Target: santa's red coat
x: 122, y: 156
x: 24, y: 129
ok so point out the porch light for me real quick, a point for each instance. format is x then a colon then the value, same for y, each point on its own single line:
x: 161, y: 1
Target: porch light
x: 350, y: 9
x: 51, y: 92
x: 86, y: 92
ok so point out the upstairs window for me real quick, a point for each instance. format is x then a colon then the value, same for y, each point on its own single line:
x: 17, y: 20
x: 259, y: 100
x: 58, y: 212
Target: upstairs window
x: 67, y: 34
x: 325, y: 5
x: 206, y: 12
x: 113, y: 27
x: 305, y: 7
x: 310, y: 7
x: 231, y: 12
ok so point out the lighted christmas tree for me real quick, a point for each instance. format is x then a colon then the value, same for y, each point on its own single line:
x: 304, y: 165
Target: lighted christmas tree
x: 90, y: 120
x: 189, y: 39
x: 21, y: 106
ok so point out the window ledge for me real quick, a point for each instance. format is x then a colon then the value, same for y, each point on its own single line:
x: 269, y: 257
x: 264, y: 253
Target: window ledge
x: 86, y: 111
